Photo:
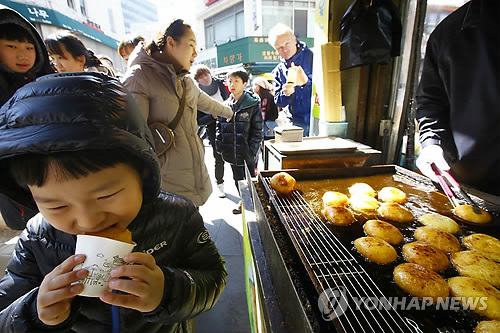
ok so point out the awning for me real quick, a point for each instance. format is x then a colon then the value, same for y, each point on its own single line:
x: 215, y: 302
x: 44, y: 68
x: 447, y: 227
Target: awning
x: 43, y: 15
x: 253, y: 51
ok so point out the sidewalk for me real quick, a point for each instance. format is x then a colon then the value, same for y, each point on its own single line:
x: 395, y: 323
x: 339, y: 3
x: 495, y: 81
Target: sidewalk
x: 230, y: 314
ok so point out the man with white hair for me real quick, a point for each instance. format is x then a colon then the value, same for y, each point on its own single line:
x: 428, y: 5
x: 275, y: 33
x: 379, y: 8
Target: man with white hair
x: 292, y: 91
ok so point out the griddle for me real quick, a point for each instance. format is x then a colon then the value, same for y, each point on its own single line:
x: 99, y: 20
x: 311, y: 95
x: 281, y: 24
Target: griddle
x: 330, y: 261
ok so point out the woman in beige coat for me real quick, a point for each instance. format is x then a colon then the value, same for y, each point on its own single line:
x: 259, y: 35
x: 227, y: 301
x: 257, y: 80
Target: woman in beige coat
x: 156, y: 78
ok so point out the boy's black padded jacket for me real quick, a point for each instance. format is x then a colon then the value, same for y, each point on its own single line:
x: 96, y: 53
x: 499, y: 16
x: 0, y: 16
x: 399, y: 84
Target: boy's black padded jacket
x: 239, y: 139
x: 168, y: 226
x: 10, y: 81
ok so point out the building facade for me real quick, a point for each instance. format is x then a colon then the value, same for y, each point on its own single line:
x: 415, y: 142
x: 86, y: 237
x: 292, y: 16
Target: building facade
x: 137, y: 13
x: 99, y: 24
x: 226, y: 21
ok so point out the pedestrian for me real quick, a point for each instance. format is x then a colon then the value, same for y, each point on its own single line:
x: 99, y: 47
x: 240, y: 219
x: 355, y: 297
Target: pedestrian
x: 127, y: 46
x: 92, y: 169
x: 239, y: 140
x: 23, y: 58
x: 157, y: 78
x: 68, y: 54
x: 216, y: 89
x: 269, y: 109
x: 292, y: 76
x: 108, y: 64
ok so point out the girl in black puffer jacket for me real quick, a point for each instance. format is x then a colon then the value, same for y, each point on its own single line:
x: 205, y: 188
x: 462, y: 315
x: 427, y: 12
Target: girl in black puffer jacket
x: 238, y: 140
x: 77, y: 146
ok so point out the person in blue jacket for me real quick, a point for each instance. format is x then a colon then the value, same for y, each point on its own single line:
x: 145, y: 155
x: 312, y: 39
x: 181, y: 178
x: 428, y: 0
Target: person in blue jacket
x: 77, y: 146
x: 297, y: 62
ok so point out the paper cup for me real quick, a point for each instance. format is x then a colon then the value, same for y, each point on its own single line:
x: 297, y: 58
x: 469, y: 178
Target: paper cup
x: 291, y: 75
x: 102, y: 255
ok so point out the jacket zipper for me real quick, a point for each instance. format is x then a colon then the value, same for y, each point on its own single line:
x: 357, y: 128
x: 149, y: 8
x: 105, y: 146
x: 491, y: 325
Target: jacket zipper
x: 233, y: 120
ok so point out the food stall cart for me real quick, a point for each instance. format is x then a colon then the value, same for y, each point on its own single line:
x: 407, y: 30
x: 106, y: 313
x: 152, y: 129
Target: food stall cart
x: 293, y: 256
x: 318, y: 152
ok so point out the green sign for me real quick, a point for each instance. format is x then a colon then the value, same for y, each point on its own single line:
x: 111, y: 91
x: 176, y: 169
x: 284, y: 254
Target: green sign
x: 51, y: 17
x: 252, y: 49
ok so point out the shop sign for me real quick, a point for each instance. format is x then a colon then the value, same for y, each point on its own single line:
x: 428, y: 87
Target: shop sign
x: 48, y: 16
x: 246, y: 50
x: 253, y: 49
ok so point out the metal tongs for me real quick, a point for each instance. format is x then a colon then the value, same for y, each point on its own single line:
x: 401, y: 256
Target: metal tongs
x: 441, y: 176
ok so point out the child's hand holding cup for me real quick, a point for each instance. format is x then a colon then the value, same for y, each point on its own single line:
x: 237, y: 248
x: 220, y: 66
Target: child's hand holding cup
x: 104, y: 251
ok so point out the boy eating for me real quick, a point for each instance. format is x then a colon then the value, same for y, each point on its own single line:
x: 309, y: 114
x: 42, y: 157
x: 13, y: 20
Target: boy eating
x: 76, y: 145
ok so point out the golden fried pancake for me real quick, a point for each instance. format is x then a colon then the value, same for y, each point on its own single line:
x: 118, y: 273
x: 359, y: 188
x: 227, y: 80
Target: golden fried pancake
x: 426, y: 256
x: 336, y: 199
x: 116, y: 233
x: 439, y: 221
x: 443, y: 240
x: 363, y: 202
x: 420, y: 282
x: 488, y: 246
x: 461, y: 286
x: 282, y: 182
x: 473, y: 264
x: 376, y: 250
x: 338, y: 215
x: 392, y: 194
x: 383, y: 230
x: 362, y: 188
x: 466, y: 213
x: 394, y: 212
x: 488, y: 326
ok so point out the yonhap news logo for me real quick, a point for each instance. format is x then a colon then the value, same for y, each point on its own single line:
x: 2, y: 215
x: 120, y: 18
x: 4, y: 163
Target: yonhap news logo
x: 334, y: 302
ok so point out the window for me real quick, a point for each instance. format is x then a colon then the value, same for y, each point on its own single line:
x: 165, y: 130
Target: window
x: 297, y: 14
x: 273, y: 16
x: 82, y: 7
x: 70, y: 4
x: 225, y: 26
x: 300, y: 23
x: 111, y: 20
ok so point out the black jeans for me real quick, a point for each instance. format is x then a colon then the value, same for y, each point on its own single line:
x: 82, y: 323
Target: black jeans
x: 239, y: 172
x: 219, y: 166
x: 219, y: 162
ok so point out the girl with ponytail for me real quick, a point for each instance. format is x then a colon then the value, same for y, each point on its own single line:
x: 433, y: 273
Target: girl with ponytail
x: 157, y: 79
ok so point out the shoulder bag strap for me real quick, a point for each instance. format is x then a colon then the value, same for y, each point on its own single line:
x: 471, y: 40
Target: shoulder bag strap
x: 180, y: 111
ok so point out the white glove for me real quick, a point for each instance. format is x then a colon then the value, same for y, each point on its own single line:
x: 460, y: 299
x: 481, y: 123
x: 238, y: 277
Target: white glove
x: 429, y: 154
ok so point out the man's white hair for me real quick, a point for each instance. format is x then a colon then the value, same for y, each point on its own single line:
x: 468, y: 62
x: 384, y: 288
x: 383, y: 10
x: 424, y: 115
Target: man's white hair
x: 278, y: 30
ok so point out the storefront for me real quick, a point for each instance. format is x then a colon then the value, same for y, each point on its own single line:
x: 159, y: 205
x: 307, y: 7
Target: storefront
x: 47, y: 21
x: 252, y: 53
x: 304, y: 269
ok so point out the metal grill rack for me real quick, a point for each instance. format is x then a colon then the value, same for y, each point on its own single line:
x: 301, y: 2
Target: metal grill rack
x: 334, y: 271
